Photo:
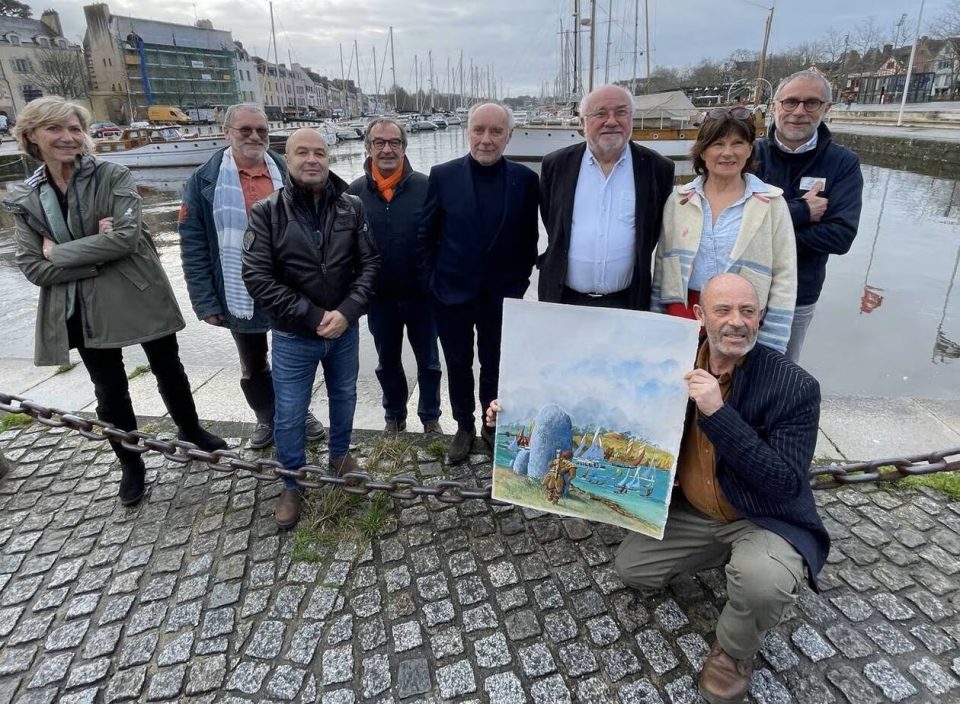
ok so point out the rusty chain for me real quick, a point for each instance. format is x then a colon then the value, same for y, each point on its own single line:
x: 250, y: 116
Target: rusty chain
x: 405, y: 487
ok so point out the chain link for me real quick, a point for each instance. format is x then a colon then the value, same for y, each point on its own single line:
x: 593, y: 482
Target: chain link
x: 405, y: 487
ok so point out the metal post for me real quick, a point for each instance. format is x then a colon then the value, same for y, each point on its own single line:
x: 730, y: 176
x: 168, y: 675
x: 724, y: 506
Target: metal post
x: 913, y: 53
x: 593, y: 41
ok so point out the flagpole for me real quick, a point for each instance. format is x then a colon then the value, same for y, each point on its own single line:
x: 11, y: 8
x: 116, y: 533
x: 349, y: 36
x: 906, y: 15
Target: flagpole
x: 913, y: 53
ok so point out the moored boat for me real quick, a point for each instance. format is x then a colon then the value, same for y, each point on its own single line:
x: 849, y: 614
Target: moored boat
x: 148, y: 147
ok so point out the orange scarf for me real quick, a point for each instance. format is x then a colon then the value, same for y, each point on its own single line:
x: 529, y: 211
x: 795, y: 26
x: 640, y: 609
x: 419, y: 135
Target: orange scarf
x: 386, y: 184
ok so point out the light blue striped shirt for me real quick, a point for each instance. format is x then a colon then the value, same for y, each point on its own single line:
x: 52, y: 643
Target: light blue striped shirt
x: 718, y: 238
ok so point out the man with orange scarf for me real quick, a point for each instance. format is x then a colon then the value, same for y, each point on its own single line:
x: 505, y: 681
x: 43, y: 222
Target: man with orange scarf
x: 393, y: 194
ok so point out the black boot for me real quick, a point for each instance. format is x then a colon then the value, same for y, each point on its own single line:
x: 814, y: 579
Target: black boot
x: 205, y: 440
x: 131, y: 481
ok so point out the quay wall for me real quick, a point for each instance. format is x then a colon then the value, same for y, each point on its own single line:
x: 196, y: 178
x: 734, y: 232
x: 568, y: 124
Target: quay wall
x: 926, y: 156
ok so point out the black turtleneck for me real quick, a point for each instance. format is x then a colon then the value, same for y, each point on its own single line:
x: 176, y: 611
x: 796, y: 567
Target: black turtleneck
x: 489, y: 188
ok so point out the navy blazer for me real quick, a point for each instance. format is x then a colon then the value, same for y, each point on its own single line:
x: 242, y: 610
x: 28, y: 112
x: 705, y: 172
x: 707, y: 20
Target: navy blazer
x: 455, y: 263
x: 653, y: 176
x: 764, y: 436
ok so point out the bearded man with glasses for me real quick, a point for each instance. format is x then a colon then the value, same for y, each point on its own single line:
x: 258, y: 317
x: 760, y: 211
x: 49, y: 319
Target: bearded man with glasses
x: 213, y: 220
x: 821, y: 181
x: 393, y: 195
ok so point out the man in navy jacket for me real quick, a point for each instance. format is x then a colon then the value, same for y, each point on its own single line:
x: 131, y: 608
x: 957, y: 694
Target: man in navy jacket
x: 477, y: 245
x: 393, y: 194
x: 821, y: 181
x: 744, y: 498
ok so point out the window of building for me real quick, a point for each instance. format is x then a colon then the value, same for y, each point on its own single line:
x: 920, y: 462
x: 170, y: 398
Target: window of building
x: 43, y: 41
x: 13, y: 39
x: 22, y: 65
x: 30, y: 92
x: 62, y: 43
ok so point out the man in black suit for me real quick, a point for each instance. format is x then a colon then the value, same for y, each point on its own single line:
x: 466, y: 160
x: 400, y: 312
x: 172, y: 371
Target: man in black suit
x: 602, y: 204
x: 478, y: 245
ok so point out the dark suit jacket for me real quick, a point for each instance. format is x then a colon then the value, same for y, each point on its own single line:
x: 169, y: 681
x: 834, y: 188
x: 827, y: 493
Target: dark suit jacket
x: 653, y: 176
x: 764, y: 437
x: 455, y: 264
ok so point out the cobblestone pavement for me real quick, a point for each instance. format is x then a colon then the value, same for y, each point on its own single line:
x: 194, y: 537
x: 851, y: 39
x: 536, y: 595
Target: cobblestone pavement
x: 194, y: 596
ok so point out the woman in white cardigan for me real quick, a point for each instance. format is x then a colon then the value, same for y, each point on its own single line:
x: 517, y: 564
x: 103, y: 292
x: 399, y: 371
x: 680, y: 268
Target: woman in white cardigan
x: 727, y: 220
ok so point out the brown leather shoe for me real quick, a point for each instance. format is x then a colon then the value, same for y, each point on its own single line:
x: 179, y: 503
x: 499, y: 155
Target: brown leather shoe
x: 286, y: 511
x: 342, y: 465
x: 432, y: 427
x: 392, y: 425
x: 724, y: 680
x: 461, y: 445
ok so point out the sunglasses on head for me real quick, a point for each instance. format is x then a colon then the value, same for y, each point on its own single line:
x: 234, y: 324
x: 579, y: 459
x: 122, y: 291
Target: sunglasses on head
x: 737, y: 113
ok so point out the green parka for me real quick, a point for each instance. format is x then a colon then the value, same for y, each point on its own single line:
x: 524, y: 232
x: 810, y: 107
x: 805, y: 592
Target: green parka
x: 124, y: 294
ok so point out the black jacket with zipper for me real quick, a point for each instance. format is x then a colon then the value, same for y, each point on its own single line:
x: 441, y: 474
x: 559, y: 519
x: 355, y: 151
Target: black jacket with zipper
x: 300, y: 260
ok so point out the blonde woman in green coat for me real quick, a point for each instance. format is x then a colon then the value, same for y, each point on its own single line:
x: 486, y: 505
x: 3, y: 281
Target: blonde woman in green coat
x: 80, y: 238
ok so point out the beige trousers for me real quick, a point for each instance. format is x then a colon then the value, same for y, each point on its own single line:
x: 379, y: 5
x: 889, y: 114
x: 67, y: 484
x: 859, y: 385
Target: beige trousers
x: 763, y: 570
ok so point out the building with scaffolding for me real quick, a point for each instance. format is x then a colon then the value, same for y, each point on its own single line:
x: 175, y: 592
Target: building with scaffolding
x: 134, y: 63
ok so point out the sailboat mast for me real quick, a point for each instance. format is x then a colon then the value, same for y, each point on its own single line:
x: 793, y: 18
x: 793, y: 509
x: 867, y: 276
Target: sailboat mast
x: 276, y: 63
x: 393, y: 71
x: 593, y: 41
x: 576, y: 48
x: 646, y: 48
x: 343, y: 85
x: 606, y: 62
x: 636, y: 44
x: 763, y: 59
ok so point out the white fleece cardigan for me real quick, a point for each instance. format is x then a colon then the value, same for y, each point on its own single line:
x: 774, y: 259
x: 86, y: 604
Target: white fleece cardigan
x: 765, y: 253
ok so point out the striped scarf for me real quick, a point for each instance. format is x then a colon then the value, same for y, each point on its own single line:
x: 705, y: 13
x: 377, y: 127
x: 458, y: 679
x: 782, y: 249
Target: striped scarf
x: 230, y: 220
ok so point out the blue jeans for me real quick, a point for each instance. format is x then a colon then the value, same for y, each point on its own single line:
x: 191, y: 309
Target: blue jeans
x: 295, y: 361
x: 386, y: 320
x: 802, y: 317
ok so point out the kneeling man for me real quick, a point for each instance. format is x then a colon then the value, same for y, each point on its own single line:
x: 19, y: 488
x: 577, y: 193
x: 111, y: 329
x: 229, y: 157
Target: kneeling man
x: 744, y: 498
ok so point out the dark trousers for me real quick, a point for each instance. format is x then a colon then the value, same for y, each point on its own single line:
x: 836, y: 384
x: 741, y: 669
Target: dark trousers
x: 256, y: 381
x: 105, y: 367
x: 386, y: 320
x: 455, y: 325
x: 617, y: 299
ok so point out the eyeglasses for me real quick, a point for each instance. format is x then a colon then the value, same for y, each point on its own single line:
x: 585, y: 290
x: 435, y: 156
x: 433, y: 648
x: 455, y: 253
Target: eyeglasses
x: 737, y: 113
x: 810, y: 104
x: 262, y: 132
x: 619, y: 114
x: 379, y: 144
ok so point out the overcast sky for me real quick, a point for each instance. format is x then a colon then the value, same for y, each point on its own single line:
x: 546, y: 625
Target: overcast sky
x: 519, y: 38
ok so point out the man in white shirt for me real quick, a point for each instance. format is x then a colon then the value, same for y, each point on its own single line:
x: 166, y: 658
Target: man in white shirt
x: 602, y: 204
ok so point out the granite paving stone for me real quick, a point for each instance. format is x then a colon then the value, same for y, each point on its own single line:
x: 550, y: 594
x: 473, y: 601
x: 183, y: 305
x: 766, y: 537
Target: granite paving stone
x: 196, y: 596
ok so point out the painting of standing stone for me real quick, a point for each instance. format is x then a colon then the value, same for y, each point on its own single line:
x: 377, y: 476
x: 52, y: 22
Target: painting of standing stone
x: 593, y: 408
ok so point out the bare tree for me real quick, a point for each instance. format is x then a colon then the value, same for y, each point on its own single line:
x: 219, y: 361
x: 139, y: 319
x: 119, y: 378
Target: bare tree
x: 947, y: 23
x: 59, y: 72
x: 13, y: 8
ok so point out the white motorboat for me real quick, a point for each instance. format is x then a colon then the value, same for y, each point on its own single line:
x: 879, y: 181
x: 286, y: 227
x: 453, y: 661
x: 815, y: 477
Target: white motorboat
x: 419, y: 123
x: 439, y: 121
x: 149, y: 147
x: 347, y: 133
x: 452, y: 120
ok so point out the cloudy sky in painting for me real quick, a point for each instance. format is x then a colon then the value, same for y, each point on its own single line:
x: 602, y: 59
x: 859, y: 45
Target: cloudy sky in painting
x: 619, y: 369
x: 518, y: 38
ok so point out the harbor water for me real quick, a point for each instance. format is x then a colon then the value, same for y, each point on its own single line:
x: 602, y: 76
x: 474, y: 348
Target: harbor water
x: 887, y: 324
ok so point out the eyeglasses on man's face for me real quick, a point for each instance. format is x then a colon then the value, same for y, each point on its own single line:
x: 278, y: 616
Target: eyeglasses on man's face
x: 245, y: 132
x: 619, y: 113
x: 810, y: 104
x: 379, y: 144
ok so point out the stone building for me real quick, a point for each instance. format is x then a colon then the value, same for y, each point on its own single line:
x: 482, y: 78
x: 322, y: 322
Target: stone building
x: 36, y: 60
x: 134, y: 63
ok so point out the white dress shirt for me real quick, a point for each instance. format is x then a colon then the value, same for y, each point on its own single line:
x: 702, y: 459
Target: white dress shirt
x: 602, y: 235
x: 807, y: 146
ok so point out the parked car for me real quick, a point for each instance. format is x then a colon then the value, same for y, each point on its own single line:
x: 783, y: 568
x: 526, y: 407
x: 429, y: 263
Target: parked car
x: 99, y: 130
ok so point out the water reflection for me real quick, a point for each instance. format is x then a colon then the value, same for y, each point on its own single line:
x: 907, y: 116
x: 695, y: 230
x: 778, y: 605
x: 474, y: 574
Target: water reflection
x: 887, y: 323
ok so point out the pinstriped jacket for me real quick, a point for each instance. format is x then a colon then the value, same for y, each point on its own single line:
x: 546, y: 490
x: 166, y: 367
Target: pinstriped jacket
x: 765, y: 253
x: 764, y: 436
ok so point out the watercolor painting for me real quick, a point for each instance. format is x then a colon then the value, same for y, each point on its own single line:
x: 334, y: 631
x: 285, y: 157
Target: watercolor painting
x: 593, y: 409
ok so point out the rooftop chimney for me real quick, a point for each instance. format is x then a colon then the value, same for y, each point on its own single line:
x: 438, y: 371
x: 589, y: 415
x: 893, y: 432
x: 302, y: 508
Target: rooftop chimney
x: 52, y: 20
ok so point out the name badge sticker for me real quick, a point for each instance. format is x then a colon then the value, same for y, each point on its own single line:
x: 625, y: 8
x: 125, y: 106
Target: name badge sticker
x: 807, y: 182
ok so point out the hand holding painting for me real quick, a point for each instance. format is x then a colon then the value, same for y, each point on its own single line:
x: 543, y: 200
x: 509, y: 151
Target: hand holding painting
x: 490, y: 418
x: 704, y: 389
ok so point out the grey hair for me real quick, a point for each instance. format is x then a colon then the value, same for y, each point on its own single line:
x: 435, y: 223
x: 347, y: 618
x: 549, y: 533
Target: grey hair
x: 242, y: 107
x: 384, y: 121
x: 49, y: 110
x: 473, y: 109
x: 585, y: 100
x: 809, y: 75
